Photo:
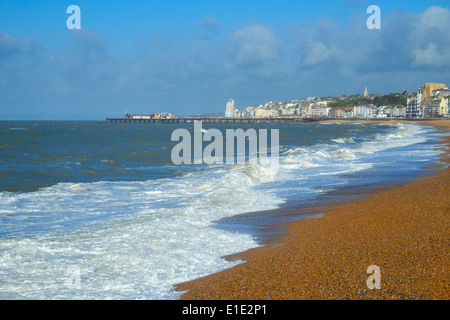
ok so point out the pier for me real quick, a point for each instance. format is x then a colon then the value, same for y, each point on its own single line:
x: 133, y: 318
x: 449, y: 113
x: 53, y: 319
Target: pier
x: 210, y: 120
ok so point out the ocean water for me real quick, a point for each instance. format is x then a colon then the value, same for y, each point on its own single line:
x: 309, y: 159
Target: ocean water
x: 99, y: 211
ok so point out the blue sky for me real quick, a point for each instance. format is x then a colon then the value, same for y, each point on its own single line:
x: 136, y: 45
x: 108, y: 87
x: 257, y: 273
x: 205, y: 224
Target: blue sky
x: 190, y: 57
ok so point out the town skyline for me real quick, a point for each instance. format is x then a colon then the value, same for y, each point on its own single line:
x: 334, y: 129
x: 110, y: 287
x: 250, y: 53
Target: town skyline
x: 431, y: 100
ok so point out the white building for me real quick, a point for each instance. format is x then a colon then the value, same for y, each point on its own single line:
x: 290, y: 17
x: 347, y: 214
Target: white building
x: 420, y: 105
x: 399, y: 111
x: 443, y: 105
x: 272, y: 113
x: 381, y: 112
x: 286, y: 111
x: 362, y: 111
x: 319, y: 111
x: 412, y: 107
x: 229, y: 113
x: 250, y: 112
x: 262, y: 112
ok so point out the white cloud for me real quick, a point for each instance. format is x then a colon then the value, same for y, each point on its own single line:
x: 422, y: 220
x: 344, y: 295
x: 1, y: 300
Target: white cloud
x: 431, y: 56
x: 430, y: 38
x: 435, y: 17
x: 8, y: 45
x: 319, y: 53
x: 254, y: 45
x: 210, y: 23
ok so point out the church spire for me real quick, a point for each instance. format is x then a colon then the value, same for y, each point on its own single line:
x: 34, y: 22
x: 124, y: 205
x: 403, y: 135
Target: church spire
x: 365, y: 92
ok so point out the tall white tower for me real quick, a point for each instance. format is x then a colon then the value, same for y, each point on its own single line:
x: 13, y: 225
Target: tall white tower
x: 229, y: 113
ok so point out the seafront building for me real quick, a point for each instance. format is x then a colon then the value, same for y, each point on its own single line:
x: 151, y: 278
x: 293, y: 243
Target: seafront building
x: 414, y: 105
x: 430, y: 101
x: 229, y: 113
x: 397, y: 111
x: 428, y: 88
x: 362, y: 111
x: 336, y: 113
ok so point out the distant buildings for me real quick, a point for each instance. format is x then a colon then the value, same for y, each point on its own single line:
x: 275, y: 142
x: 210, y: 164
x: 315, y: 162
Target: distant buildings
x: 430, y: 101
x: 413, y: 109
x: 336, y: 113
x: 348, y: 112
x: 261, y: 112
x: 156, y: 115
x: 428, y: 88
x: 229, y: 113
x: 362, y: 111
x: 398, y: 111
x: 320, y: 109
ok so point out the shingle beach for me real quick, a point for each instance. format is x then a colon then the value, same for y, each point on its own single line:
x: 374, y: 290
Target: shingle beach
x: 403, y: 230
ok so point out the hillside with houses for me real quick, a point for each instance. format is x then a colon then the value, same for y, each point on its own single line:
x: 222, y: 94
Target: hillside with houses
x: 430, y: 101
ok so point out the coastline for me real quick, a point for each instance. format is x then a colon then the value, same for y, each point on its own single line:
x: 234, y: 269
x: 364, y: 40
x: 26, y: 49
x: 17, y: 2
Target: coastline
x: 402, y: 229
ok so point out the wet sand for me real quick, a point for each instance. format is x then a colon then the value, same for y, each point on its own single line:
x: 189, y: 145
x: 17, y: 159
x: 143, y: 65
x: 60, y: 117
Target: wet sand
x: 403, y: 230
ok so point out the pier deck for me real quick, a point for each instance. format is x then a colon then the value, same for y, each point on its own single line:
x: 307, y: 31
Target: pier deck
x: 212, y: 120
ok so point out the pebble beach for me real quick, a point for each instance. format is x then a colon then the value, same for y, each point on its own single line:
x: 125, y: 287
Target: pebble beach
x: 402, y: 230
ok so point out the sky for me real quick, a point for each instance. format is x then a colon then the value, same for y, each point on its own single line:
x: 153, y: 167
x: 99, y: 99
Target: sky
x: 191, y: 57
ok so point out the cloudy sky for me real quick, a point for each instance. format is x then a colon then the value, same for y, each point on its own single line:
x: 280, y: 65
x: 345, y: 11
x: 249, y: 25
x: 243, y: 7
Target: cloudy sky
x: 190, y: 57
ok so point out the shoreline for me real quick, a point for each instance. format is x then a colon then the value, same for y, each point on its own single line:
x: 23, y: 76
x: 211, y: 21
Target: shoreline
x: 402, y: 229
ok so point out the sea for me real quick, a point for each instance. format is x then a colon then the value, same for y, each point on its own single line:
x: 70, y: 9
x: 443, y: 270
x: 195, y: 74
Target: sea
x: 99, y: 210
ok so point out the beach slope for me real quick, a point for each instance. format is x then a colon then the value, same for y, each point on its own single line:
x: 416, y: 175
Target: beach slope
x: 403, y: 231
